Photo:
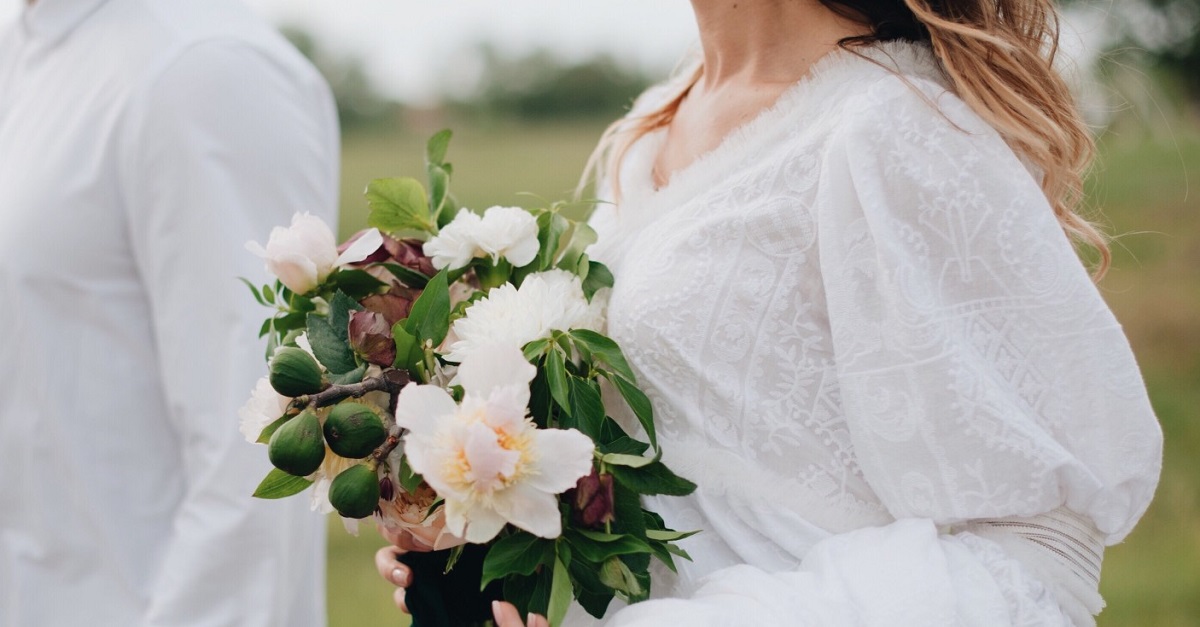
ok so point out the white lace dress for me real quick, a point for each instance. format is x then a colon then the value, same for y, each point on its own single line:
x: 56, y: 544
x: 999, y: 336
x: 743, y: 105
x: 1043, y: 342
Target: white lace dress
x: 869, y: 342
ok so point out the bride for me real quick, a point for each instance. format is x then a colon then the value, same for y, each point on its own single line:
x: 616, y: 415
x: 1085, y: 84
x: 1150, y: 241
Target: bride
x: 844, y: 274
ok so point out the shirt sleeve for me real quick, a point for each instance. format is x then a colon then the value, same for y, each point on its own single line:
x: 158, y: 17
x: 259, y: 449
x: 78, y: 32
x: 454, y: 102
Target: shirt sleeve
x: 992, y: 400
x: 227, y: 141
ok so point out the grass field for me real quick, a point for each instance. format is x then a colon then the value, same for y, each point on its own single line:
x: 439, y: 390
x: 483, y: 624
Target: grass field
x: 1142, y: 186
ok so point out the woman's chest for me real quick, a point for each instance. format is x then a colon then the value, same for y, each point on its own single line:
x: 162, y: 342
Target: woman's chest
x: 732, y: 263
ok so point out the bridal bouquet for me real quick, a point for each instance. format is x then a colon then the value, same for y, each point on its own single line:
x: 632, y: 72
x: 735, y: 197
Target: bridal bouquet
x: 442, y: 372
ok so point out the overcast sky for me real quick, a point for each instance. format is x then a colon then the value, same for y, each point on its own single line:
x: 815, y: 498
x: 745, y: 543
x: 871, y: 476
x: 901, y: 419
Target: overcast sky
x: 416, y: 49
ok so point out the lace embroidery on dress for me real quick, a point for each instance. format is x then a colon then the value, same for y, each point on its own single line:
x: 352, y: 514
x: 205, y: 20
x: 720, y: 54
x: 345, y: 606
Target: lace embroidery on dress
x: 860, y: 308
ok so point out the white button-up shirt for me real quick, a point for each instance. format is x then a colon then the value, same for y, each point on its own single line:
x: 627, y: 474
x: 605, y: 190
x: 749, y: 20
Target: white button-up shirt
x: 142, y: 144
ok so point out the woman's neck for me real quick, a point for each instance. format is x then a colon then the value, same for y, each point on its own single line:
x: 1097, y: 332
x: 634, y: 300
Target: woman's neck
x: 766, y: 41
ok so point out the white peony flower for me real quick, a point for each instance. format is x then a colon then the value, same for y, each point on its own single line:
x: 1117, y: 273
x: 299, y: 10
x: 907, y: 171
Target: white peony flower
x: 545, y: 302
x: 455, y: 245
x: 508, y: 232
x: 305, y: 253
x: 264, y: 407
x: 486, y: 458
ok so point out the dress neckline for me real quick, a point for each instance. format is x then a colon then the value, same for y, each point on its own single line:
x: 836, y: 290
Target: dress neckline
x: 839, y: 65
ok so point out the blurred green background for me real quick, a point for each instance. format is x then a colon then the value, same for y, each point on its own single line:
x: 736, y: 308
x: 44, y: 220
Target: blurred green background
x: 536, y: 139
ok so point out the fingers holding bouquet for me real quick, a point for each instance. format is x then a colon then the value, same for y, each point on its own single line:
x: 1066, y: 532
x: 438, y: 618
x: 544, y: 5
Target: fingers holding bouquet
x: 395, y: 572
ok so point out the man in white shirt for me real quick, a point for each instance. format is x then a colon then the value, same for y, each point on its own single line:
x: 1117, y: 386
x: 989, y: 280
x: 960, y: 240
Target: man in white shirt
x: 142, y: 143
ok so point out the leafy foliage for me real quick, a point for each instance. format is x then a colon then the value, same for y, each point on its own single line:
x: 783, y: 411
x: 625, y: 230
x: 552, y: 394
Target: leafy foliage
x: 393, y: 299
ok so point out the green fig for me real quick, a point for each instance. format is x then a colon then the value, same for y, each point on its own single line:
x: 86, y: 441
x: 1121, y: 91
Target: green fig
x: 355, y: 492
x: 297, y: 447
x: 295, y: 373
x: 353, y: 430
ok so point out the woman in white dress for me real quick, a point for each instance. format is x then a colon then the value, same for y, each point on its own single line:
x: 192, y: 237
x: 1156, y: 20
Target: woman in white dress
x: 845, y: 277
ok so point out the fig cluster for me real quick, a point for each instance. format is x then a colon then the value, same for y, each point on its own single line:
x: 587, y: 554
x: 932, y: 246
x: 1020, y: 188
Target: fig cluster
x: 352, y: 430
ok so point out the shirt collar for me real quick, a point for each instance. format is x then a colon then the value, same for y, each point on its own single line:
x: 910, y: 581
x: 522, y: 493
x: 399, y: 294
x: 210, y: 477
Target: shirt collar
x: 51, y: 20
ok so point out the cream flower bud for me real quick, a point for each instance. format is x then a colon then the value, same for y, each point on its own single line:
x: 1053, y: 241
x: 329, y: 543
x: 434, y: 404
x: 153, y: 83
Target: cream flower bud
x: 301, y: 255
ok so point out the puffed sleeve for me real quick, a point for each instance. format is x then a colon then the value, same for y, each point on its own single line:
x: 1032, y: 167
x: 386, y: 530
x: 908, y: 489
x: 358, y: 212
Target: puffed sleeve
x: 993, y: 403
x: 227, y: 141
x: 981, y: 372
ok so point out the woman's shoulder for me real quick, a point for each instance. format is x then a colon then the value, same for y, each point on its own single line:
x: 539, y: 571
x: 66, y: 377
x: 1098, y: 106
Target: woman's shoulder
x: 900, y: 93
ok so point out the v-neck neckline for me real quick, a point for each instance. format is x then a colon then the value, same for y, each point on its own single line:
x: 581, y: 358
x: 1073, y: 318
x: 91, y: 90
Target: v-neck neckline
x: 642, y: 204
x: 738, y: 134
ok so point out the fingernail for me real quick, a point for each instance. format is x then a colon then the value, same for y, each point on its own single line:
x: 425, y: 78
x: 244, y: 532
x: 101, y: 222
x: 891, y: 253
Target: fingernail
x: 400, y: 577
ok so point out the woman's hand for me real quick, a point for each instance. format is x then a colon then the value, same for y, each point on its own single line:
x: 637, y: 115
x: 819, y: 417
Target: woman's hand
x: 395, y: 572
x: 387, y: 561
x: 506, y: 615
x: 388, y: 564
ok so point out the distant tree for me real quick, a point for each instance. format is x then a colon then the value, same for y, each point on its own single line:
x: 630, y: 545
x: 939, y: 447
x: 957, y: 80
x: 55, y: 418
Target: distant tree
x: 1180, y: 55
x: 1168, y: 31
x: 540, y: 86
x: 359, y: 104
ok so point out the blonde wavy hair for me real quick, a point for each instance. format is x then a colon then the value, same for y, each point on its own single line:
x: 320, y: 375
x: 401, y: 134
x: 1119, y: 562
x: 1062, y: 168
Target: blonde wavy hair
x: 999, y: 56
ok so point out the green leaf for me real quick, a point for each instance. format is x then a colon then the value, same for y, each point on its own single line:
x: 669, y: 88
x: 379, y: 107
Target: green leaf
x: 439, y: 188
x: 603, y: 349
x: 408, y: 349
x: 269, y: 430
x: 560, y: 594
x: 653, y: 478
x: 295, y: 319
x: 625, y: 445
x: 551, y: 227
x: 536, y: 348
x: 637, y: 401
x: 407, y: 275
x: 278, y: 484
x: 675, y: 550
x: 340, y: 307
x: 666, y: 535
x: 540, y: 401
x: 409, y: 479
x: 593, y: 595
x: 596, y: 550
x: 254, y: 290
x: 429, y: 318
x: 573, y: 255
x: 540, y: 599
x: 556, y: 377
x: 272, y: 344
x: 616, y: 575
x: 398, y: 204
x: 268, y: 294
x: 435, y: 148
x: 331, y: 348
x: 627, y: 511
x: 347, y: 378
x: 598, y: 277
x: 267, y: 327
x: 519, y: 553
x: 586, y: 407
x: 629, y: 461
x: 356, y: 283
x: 660, y: 551
x: 450, y: 207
